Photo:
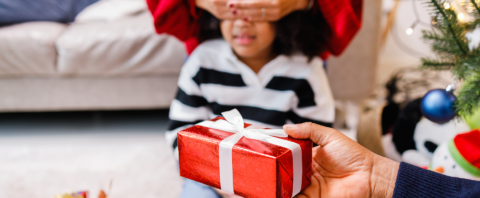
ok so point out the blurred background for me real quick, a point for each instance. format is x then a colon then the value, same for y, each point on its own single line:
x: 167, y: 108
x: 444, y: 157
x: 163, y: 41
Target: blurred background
x: 85, y: 87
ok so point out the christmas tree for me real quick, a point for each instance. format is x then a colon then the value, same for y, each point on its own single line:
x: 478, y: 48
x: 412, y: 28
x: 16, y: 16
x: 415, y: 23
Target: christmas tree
x: 452, y: 41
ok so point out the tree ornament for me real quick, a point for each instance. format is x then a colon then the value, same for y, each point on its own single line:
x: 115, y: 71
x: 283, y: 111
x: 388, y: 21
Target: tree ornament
x: 438, y: 105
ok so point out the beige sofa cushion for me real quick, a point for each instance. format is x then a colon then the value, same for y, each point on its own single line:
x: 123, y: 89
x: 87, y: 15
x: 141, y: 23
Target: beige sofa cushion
x: 28, y: 49
x: 126, y: 47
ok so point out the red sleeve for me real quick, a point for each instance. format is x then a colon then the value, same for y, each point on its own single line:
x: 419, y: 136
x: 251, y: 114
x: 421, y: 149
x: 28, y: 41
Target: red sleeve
x: 344, y: 18
x: 177, y: 18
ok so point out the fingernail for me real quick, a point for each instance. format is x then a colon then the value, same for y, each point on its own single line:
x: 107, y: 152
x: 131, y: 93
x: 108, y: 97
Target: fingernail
x: 290, y: 126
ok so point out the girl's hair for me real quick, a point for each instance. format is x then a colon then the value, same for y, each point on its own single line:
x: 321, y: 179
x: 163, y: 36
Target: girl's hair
x: 306, y: 32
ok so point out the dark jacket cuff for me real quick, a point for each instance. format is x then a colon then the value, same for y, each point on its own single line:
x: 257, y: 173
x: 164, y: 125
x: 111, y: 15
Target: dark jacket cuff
x: 413, y: 181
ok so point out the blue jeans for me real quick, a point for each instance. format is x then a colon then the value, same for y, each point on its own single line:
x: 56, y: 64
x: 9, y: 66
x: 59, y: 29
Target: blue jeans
x: 193, y: 189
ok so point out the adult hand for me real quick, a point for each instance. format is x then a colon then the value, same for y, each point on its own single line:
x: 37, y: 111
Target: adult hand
x: 342, y: 167
x: 265, y: 10
x: 217, y: 8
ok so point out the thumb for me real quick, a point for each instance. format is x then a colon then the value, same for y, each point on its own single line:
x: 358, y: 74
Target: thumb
x: 317, y: 133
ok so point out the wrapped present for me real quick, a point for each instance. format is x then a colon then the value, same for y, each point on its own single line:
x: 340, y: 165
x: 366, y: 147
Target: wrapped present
x: 244, y: 159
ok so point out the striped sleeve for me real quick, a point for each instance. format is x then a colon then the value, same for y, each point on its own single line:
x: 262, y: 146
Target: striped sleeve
x: 189, y: 106
x: 314, y: 99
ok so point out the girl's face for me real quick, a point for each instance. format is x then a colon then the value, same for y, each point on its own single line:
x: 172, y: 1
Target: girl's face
x: 249, y: 39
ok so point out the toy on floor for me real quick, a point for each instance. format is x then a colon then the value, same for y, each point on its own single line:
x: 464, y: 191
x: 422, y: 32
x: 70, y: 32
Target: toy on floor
x: 84, y: 194
x: 81, y: 194
x: 102, y: 194
x: 459, y: 157
x: 427, y: 136
x: 416, y: 138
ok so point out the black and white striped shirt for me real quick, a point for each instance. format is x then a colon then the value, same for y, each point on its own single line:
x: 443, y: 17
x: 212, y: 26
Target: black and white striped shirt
x: 288, y: 89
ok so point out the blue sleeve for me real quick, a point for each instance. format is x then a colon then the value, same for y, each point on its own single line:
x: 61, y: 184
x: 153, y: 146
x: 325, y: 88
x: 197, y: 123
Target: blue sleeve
x: 413, y: 181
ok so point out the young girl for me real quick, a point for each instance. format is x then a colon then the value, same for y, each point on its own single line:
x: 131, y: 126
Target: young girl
x: 269, y: 71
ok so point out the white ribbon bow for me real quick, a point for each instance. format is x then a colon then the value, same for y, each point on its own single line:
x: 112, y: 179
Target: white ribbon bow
x: 234, y: 124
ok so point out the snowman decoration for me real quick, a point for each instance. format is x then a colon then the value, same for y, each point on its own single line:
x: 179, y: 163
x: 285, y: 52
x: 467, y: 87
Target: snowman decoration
x: 428, y: 136
x: 459, y: 157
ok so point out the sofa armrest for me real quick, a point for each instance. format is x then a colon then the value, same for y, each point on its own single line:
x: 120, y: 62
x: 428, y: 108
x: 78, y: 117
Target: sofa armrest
x: 28, y: 49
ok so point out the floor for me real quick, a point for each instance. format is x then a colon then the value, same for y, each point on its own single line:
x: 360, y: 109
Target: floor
x: 123, y: 153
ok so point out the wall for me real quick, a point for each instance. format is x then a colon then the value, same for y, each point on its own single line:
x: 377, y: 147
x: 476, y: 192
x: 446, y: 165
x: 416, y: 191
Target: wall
x: 402, y: 50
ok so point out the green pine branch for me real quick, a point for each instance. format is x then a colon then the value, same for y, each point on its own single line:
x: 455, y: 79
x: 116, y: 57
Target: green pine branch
x: 450, y: 45
x: 437, y: 64
x: 473, y: 25
x: 451, y: 21
x: 468, y: 99
x: 476, y: 21
x: 461, y: 70
x: 442, y: 45
x: 477, y: 7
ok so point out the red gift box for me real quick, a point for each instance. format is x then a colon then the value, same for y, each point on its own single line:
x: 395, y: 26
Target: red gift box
x: 260, y: 169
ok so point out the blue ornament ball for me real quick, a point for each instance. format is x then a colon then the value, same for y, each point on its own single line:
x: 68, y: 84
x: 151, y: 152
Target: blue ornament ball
x: 438, y: 106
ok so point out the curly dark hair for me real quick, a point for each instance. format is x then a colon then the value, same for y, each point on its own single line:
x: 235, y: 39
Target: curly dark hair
x: 301, y: 31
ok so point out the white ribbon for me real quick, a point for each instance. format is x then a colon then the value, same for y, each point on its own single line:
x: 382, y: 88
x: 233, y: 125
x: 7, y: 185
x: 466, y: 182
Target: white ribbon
x: 234, y: 124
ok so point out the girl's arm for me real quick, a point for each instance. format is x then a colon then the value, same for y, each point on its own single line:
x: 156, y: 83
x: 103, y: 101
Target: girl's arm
x: 344, y: 18
x: 175, y: 17
x: 179, y: 17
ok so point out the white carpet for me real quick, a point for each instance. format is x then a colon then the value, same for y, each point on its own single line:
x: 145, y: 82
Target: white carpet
x: 40, y: 164
x: 44, y: 154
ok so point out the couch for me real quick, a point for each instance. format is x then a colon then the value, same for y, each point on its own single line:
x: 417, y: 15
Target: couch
x: 49, y: 66
x: 123, y: 64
